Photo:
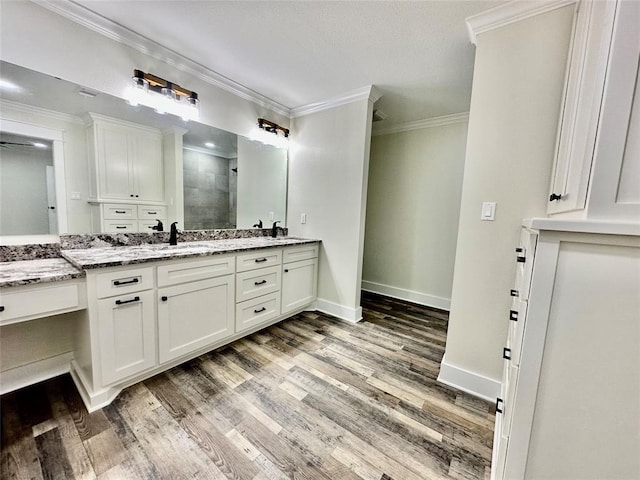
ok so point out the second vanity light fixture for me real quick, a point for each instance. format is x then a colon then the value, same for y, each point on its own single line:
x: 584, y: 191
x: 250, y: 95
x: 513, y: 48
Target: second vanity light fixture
x: 163, y: 96
x: 271, y: 133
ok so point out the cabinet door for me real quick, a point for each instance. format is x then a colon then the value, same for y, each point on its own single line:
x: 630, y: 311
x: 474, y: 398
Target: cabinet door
x: 114, y: 170
x: 126, y: 326
x: 148, y: 166
x: 194, y: 315
x: 299, y: 280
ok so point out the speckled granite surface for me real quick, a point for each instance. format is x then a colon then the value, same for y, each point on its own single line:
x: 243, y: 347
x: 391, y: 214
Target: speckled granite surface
x: 90, y: 258
x: 24, y: 272
x: 69, y: 242
x: 34, y: 251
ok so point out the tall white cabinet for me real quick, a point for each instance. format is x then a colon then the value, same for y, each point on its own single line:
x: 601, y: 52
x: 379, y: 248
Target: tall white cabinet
x: 126, y: 167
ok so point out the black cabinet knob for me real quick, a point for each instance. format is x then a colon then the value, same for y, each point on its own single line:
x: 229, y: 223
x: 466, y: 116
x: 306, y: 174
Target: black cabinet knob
x: 554, y: 197
x: 164, y: 298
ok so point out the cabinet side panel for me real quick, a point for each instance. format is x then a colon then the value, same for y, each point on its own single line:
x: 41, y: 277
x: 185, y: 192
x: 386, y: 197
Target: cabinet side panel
x: 588, y: 404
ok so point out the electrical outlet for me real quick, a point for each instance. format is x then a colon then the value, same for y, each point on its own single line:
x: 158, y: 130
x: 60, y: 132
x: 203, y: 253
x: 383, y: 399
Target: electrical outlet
x: 271, y: 216
x: 303, y: 218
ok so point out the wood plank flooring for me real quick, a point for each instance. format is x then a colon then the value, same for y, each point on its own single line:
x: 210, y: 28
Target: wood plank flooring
x: 309, y: 398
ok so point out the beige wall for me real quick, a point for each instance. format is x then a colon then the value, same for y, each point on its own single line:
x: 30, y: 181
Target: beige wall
x: 413, y: 203
x: 515, y: 104
x: 329, y: 162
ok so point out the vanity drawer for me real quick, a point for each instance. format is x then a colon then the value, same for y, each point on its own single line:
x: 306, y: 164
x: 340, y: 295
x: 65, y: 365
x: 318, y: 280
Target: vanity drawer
x: 151, y: 212
x: 303, y: 252
x: 189, y: 271
x: 259, y: 259
x: 114, y: 211
x: 120, y: 282
x: 120, y: 226
x: 257, y: 311
x: 254, y: 283
x: 33, y: 301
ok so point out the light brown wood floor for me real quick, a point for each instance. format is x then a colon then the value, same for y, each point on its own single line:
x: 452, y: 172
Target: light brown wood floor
x: 309, y: 398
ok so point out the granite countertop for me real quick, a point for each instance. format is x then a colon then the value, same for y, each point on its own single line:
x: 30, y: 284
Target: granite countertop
x: 25, y: 272
x: 90, y: 258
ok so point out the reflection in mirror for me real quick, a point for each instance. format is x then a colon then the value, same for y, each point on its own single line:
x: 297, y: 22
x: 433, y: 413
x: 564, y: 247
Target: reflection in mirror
x: 27, y: 186
x: 214, y: 180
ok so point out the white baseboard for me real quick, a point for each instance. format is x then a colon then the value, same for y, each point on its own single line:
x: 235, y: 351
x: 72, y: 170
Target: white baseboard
x: 35, y: 372
x: 469, y: 382
x: 408, y: 295
x: 348, y: 314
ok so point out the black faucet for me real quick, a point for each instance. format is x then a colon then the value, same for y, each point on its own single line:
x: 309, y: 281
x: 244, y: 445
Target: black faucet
x: 259, y: 224
x: 173, y: 237
x: 159, y: 227
x: 274, y: 229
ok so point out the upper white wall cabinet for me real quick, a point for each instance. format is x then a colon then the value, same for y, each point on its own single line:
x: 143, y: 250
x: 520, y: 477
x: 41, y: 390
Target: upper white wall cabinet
x: 126, y: 162
x: 597, y: 152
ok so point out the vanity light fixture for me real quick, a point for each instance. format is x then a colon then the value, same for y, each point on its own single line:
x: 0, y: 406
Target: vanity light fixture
x: 271, y: 133
x: 163, y: 96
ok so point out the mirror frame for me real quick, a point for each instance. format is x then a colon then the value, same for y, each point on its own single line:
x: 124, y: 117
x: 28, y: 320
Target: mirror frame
x: 57, y: 139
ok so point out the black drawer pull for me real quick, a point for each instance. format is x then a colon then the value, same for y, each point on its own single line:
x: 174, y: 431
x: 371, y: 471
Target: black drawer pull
x: 554, y: 197
x: 500, y: 402
x: 513, y: 315
x: 119, y: 227
x: 1, y: 308
x: 261, y: 282
x: 506, y: 353
x: 121, y: 211
x: 514, y: 293
x: 117, y: 283
x: 164, y: 298
x: 152, y: 213
x: 260, y: 260
x: 260, y: 310
x: 122, y: 302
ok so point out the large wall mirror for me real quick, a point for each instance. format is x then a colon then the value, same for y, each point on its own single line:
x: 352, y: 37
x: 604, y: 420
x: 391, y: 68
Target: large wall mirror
x: 225, y: 180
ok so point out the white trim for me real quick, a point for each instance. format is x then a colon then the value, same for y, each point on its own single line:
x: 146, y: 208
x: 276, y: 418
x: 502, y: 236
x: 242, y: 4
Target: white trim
x: 506, y: 14
x: 348, y: 314
x: 212, y: 152
x: 468, y: 381
x: 425, y: 123
x: 35, y: 372
x: 369, y: 92
x: 43, y: 112
x: 408, y: 295
x: 85, y: 17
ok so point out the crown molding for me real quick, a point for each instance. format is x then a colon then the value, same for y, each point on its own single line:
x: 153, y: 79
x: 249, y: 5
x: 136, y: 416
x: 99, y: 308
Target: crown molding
x: 508, y: 13
x: 114, y: 31
x: 43, y: 112
x: 426, y: 123
x: 369, y: 92
x: 214, y: 152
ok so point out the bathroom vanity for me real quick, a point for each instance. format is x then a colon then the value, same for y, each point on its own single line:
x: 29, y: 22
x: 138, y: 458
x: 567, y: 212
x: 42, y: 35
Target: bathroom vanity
x: 146, y: 308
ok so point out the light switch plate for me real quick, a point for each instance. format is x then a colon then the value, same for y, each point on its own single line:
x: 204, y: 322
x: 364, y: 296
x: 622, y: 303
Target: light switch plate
x: 303, y: 218
x: 488, y: 211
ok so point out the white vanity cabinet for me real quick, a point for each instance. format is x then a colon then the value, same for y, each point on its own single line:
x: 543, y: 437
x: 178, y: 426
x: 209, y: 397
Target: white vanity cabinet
x: 126, y: 161
x: 299, y: 277
x: 125, y: 321
x: 195, y: 305
x: 570, y: 399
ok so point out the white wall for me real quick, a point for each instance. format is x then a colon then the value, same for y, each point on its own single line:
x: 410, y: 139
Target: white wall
x: 87, y: 58
x: 413, y: 204
x: 262, y: 184
x: 515, y: 103
x: 329, y: 162
x: 23, y: 190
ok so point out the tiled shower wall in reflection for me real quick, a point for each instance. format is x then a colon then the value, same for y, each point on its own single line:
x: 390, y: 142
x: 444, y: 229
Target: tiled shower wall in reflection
x: 210, y: 191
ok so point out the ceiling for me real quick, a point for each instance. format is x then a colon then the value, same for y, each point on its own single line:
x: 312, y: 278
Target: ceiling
x: 417, y: 53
